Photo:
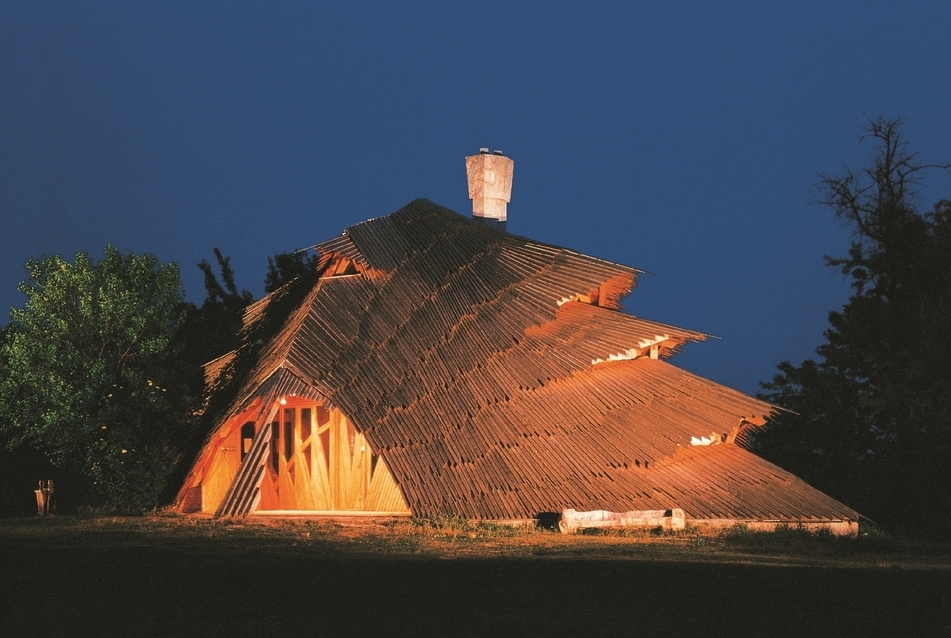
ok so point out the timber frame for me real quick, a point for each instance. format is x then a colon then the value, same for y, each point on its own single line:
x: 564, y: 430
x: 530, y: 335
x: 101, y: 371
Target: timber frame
x: 435, y: 365
x: 291, y: 454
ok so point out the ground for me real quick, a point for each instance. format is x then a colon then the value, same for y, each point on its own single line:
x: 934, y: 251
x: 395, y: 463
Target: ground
x: 169, y: 576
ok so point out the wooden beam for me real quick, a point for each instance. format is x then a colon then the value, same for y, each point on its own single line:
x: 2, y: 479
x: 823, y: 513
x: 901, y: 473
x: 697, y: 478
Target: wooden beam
x: 245, y: 490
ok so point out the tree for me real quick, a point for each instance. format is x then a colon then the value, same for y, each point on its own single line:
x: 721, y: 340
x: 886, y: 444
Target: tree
x: 92, y: 378
x: 101, y: 370
x: 285, y: 267
x: 211, y: 330
x: 214, y: 328
x: 871, y: 420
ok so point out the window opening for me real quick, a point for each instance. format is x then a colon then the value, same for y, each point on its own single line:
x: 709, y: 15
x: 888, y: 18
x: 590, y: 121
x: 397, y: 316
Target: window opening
x: 247, y: 438
x: 275, y: 445
x: 289, y: 414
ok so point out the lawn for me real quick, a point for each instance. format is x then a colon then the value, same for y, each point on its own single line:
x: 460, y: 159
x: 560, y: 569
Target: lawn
x: 168, y: 576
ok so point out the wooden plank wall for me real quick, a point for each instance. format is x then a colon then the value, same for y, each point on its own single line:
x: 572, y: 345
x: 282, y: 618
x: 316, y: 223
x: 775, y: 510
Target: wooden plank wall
x: 245, y: 490
x: 213, y: 473
x: 460, y: 357
x: 305, y: 457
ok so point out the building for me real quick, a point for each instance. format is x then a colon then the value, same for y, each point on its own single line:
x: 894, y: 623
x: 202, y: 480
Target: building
x: 436, y: 364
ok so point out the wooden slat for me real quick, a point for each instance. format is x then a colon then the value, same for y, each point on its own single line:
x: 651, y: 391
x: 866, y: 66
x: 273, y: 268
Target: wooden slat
x: 244, y: 492
x: 457, y: 359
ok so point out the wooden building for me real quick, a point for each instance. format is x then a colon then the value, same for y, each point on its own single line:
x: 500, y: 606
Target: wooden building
x: 435, y: 364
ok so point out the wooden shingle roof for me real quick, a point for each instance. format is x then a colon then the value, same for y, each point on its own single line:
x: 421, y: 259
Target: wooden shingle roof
x: 499, y: 378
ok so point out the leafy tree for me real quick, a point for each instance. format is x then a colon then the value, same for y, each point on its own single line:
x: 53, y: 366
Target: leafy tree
x: 211, y: 330
x: 226, y: 294
x: 101, y: 369
x: 287, y: 266
x: 91, y: 375
x: 4, y: 374
x: 872, y: 416
x: 206, y: 332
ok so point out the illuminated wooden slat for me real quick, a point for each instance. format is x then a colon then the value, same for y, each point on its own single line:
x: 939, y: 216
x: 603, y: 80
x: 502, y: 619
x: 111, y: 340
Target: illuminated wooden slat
x: 461, y: 326
x: 244, y: 492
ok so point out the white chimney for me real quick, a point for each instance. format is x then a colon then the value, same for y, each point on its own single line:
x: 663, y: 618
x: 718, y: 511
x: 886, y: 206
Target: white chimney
x: 490, y: 185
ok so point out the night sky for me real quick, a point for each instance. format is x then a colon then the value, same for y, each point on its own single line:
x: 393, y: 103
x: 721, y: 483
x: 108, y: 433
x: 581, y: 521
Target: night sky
x: 679, y: 138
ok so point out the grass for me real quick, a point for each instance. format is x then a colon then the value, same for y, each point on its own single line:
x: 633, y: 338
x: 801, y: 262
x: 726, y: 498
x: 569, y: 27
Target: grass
x: 456, y: 538
x: 175, y: 576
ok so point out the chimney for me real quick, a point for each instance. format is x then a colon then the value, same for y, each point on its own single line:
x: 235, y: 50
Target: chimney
x: 490, y: 186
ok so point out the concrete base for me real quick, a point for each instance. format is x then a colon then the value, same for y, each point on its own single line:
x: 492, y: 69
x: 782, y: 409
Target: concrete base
x: 572, y: 521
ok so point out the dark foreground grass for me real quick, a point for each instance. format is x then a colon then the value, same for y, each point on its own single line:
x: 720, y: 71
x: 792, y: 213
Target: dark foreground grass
x: 173, y: 577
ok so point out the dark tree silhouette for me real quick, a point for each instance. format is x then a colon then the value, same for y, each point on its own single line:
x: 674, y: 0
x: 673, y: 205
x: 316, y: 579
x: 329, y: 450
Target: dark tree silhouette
x: 871, y: 420
x: 285, y: 267
x: 211, y: 329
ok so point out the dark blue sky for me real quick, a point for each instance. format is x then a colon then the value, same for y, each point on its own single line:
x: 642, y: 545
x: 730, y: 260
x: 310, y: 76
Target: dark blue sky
x: 680, y: 138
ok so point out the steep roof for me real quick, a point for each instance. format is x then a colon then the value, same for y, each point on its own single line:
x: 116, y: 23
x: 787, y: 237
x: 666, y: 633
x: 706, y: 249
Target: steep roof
x: 498, y: 377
